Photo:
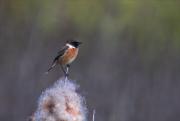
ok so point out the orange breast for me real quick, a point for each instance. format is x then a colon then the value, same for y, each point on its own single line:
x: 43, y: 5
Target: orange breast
x: 69, y: 56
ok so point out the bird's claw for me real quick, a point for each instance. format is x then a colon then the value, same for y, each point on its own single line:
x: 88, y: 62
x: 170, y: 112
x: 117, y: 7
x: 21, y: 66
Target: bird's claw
x: 66, y: 75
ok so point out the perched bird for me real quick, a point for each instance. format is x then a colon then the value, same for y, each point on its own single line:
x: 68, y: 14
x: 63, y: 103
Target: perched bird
x: 66, y: 56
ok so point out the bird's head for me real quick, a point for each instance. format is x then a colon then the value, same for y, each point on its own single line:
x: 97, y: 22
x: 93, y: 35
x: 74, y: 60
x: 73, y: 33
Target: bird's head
x: 74, y: 43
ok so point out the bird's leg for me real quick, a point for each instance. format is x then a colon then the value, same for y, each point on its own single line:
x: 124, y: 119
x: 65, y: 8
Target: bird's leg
x: 67, y: 70
x: 63, y: 70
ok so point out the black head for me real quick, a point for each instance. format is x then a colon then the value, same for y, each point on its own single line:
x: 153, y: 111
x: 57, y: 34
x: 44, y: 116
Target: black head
x: 74, y: 43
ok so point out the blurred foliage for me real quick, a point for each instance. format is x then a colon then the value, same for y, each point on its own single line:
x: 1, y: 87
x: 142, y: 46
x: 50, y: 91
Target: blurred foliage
x: 84, y: 13
x: 151, y: 24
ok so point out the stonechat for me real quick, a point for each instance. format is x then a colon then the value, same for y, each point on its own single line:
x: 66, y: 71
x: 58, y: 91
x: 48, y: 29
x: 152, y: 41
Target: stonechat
x: 66, y: 56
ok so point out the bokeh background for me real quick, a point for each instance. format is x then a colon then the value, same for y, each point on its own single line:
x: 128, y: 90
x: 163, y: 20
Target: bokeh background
x: 128, y: 66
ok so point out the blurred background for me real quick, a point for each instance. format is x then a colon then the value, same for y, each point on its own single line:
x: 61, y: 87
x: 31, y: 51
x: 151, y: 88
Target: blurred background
x: 128, y: 66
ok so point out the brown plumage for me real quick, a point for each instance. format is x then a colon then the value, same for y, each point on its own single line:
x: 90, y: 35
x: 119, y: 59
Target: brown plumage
x: 66, y: 55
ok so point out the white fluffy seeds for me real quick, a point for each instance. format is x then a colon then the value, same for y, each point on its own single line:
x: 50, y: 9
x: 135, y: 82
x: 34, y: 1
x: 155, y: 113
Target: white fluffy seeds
x: 61, y: 102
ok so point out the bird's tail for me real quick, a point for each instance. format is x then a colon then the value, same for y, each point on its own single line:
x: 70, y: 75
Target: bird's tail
x: 52, y: 66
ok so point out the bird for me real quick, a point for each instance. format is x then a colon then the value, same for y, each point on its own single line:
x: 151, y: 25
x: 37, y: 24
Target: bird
x: 66, y: 56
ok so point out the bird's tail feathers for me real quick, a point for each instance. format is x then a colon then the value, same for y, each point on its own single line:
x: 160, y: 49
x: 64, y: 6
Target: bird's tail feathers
x: 52, y: 66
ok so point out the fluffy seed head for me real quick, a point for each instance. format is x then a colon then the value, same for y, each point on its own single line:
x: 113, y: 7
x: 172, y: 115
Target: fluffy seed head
x: 61, y: 102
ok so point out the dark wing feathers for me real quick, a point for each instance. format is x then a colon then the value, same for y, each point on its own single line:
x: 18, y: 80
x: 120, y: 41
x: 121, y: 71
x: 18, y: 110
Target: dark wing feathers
x: 61, y: 52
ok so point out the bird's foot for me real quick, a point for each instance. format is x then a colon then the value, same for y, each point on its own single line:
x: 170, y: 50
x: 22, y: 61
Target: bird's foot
x: 66, y: 75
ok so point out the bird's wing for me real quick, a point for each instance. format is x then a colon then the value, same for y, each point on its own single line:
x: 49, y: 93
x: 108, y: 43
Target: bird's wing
x: 60, y: 53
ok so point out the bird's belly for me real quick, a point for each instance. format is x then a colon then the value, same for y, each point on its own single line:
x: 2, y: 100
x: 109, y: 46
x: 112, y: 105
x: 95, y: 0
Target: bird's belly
x: 69, y: 56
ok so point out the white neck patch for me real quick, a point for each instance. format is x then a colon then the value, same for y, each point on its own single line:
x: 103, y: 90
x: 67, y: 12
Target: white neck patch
x: 70, y: 46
